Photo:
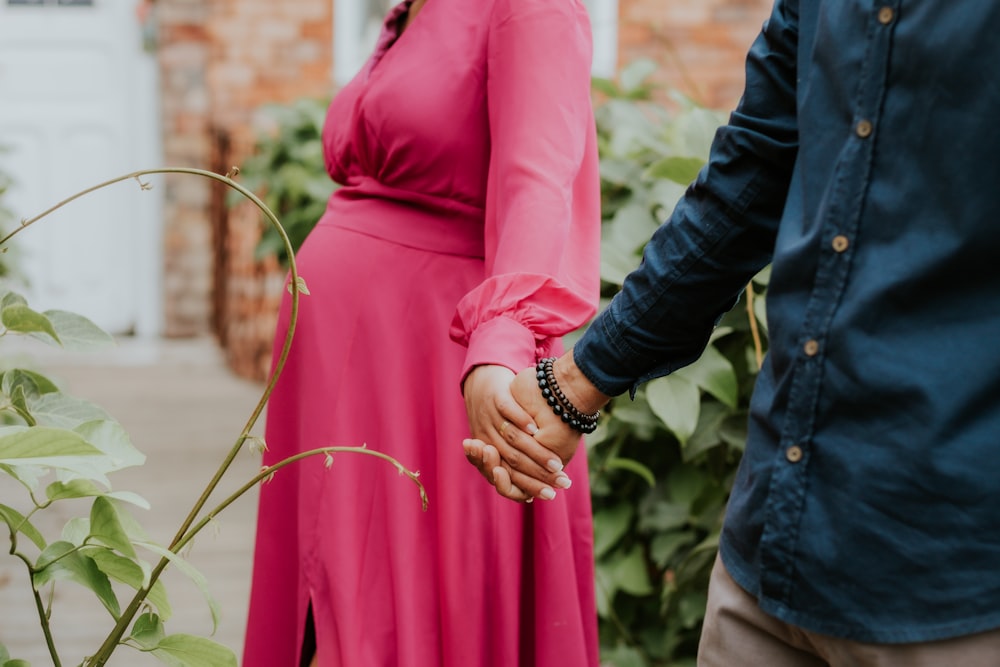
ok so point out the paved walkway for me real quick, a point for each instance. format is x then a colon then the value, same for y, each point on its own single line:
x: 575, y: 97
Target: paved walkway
x: 183, y: 409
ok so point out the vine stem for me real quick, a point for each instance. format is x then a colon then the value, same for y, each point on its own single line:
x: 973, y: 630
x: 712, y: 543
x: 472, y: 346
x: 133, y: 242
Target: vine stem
x: 40, y: 606
x: 295, y: 287
x: 186, y: 532
x: 758, y: 348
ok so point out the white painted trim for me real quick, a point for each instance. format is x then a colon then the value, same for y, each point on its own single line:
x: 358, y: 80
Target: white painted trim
x: 347, y: 18
x: 604, y: 24
x: 149, y: 235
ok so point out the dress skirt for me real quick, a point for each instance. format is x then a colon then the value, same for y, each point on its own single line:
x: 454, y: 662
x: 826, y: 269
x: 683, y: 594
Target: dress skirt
x: 473, y: 581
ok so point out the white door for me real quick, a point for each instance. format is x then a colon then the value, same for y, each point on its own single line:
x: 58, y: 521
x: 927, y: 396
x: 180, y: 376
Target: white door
x: 77, y: 106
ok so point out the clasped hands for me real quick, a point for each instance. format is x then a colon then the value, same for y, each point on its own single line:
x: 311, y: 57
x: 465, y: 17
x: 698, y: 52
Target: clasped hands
x: 518, y: 444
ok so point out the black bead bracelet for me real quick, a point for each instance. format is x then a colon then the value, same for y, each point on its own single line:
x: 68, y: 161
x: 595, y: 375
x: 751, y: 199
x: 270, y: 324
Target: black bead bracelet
x: 561, y: 406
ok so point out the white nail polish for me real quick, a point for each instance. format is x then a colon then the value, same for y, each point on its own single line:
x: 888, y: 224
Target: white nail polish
x: 532, y: 429
x: 547, y: 494
x: 555, y: 465
x: 563, y: 482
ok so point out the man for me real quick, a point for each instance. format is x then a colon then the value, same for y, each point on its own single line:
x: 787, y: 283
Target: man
x: 862, y: 162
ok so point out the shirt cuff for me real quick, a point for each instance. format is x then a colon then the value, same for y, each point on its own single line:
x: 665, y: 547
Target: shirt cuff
x: 501, y: 342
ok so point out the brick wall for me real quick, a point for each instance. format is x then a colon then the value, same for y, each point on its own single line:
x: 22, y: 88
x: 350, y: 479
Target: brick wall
x: 183, y: 56
x: 220, y: 63
x: 262, y: 52
x: 700, y: 45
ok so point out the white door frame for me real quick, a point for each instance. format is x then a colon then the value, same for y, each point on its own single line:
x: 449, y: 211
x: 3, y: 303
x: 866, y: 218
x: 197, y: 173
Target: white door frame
x: 27, y: 109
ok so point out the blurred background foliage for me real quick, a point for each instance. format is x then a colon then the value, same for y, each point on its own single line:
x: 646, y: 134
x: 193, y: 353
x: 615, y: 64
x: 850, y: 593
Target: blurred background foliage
x: 662, y: 464
x: 288, y: 172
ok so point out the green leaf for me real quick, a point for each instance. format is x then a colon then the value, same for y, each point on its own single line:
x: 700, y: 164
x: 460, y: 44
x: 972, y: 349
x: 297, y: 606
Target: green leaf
x: 192, y: 573
x: 622, y: 656
x: 19, y: 524
x: 191, y: 651
x: 632, y: 466
x: 691, y: 608
x: 22, y: 319
x: 685, y: 483
x: 16, y: 663
x: 33, y: 384
x: 77, y: 488
x: 666, y: 545
x: 148, y: 630
x: 707, y: 434
x: 20, y: 404
x: 131, y: 573
x: 12, y: 299
x: 663, y: 516
x: 28, y: 475
x: 65, y: 411
x: 635, y: 73
x: 676, y: 401
x: 41, y: 445
x: 610, y: 523
x: 109, y: 436
x: 62, y: 560
x: 629, y: 573
x: 107, y: 528
x: 76, y: 530
x: 76, y: 332
x: 616, y: 263
x: 680, y: 170
x: 713, y: 373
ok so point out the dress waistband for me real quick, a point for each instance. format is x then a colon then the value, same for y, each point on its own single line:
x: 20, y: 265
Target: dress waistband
x: 416, y: 221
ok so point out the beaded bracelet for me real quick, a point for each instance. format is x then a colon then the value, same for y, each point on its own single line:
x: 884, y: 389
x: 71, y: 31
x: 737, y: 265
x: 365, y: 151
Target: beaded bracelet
x: 561, y: 406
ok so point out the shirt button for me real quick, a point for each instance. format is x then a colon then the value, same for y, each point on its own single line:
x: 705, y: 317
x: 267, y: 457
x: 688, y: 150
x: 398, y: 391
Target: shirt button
x: 811, y: 348
x: 840, y: 243
x: 793, y: 454
x: 863, y: 128
x: 885, y: 15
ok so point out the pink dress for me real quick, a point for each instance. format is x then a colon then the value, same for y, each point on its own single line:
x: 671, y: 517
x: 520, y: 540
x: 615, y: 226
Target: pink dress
x: 466, y: 232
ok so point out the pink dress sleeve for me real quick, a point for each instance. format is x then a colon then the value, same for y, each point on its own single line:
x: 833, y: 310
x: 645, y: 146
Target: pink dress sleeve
x: 542, y: 235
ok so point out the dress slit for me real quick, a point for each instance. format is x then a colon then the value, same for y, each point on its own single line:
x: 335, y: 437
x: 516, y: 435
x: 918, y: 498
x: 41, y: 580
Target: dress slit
x: 308, y: 640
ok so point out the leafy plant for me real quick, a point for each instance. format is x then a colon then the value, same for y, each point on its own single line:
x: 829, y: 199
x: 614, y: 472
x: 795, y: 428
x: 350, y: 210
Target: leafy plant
x: 287, y: 166
x: 662, y: 465
x: 61, y: 449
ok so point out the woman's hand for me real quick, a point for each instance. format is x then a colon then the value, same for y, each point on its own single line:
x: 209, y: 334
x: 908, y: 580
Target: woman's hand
x: 501, y: 440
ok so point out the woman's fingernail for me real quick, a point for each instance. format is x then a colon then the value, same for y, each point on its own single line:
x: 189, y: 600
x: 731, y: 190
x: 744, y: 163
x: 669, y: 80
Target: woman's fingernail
x: 547, y: 494
x: 532, y: 429
x: 555, y: 465
x: 563, y: 482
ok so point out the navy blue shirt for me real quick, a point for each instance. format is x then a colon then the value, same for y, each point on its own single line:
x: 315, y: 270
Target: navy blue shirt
x: 863, y: 162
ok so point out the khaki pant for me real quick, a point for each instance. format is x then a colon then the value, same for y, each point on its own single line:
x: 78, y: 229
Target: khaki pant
x: 738, y: 634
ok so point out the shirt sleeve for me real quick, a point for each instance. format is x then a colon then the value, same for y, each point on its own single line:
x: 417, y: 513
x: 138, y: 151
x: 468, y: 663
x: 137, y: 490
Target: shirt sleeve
x: 542, y: 227
x: 720, y: 234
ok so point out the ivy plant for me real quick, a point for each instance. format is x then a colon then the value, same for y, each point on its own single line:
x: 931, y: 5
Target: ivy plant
x: 662, y: 464
x: 59, y: 448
